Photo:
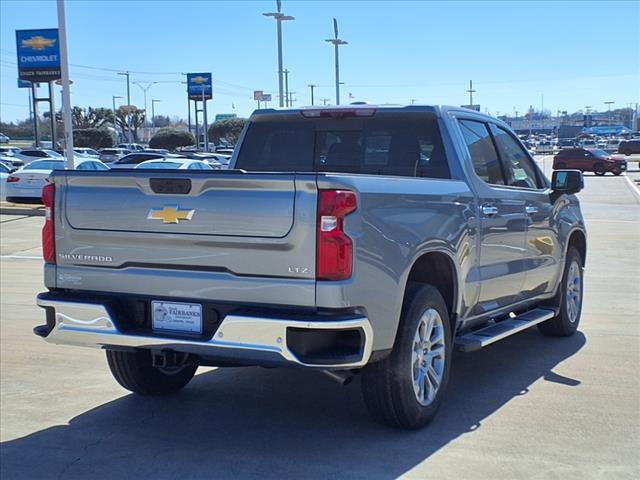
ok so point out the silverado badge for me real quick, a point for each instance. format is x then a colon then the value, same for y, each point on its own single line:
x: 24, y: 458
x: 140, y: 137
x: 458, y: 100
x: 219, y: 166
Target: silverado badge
x: 170, y: 214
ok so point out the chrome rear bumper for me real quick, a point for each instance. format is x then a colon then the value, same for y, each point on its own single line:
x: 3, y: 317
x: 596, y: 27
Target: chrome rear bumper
x: 237, y: 337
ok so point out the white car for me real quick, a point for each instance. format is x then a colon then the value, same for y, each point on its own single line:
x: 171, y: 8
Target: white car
x: 28, y: 155
x: 175, y: 164
x: 109, y: 155
x: 5, y: 171
x: 544, y: 147
x: 11, y: 161
x: 86, y: 152
x: 25, y: 185
x: 4, y: 138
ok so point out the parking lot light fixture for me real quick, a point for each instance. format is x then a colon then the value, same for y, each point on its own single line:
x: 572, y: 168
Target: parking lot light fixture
x: 153, y: 114
x: 609, y: 103
x: 279, y: 17
x: 336, y: 43
x: 128, y: 106
x: 113, y: 99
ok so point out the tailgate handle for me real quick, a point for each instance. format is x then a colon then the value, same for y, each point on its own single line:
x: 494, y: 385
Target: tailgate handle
x: 173, y: 186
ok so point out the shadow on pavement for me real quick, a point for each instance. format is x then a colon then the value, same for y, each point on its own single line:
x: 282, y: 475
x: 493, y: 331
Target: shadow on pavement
x: 252, y: 422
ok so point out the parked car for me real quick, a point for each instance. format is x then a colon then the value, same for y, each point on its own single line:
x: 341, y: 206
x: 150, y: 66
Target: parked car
x: 132, y: 159
x: 4, y: 138
x: 6, y: 150
x: 350, y: 240
x: 566, y: 143
x: 589, y: 160
x: 25, y: 185
x: 132, y: 147
x: 31, y: 154
x: 544, y: 146
x: 86, y: 152
x: 175, y: 164
x: 5, y: 171
x: 629, y: 147
x: 11, y: 161
x: 108, y: 155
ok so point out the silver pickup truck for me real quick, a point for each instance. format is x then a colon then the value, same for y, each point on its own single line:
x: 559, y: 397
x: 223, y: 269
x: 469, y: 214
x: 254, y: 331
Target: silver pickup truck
x: 355, y: 240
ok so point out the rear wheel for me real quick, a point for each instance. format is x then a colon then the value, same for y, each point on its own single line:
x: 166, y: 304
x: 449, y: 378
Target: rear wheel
x: 566, y: 322
x: 135, y: 372
x: 627, y: 152
x: 406, y: 389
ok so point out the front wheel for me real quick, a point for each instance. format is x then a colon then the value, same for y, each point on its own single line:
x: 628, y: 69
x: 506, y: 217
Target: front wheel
x: 617, y: 173
x: 135, y: 372
x: 599, y: 170
x: 406, y: 389
x: 566, y: 322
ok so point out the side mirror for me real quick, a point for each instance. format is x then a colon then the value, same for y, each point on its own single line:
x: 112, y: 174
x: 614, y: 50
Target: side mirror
x: 567, y: 181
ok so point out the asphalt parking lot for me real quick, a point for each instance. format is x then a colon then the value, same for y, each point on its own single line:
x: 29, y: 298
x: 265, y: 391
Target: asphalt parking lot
x: 527, y: 407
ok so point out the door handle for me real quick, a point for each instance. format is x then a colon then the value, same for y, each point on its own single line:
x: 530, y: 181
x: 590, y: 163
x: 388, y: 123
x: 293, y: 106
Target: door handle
x: 489, y: 211
x: 531, y: 210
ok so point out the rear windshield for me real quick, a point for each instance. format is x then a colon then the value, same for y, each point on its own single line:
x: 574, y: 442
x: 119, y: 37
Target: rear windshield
x: 382, y: 145
x: 161, y: 165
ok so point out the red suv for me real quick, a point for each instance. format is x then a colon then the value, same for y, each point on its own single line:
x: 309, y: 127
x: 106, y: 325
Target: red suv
x: 629, y: 146
x: 589, y: 160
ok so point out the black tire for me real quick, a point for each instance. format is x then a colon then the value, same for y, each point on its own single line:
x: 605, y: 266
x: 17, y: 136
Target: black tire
x: 627, y: 152
x: 562, y: 325
x: 617, y: 173
x: 134, y: 371
x: 599, y: 170
x: 388, y: 385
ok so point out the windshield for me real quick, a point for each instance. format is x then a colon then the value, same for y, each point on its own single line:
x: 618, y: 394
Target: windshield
x: 45, y: 165
x: 599, y: 153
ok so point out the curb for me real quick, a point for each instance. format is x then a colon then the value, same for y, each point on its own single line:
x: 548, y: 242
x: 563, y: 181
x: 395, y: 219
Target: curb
x: 29, y: 212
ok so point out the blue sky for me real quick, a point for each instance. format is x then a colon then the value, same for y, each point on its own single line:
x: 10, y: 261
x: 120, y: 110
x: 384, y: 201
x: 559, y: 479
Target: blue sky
x: 574, y: 53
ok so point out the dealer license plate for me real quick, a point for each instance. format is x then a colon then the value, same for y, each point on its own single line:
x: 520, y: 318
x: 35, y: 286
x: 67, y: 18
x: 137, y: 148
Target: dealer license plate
x: 177, y: 317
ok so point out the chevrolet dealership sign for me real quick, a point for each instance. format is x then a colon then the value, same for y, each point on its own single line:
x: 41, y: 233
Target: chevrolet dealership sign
x: 199, y: 83
x: 38, y: 55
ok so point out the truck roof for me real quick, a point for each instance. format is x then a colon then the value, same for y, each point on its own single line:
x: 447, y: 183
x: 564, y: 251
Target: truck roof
x: 363, y: 107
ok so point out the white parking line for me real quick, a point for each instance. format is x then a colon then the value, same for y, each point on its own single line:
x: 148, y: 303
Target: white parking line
x: 634, y: 187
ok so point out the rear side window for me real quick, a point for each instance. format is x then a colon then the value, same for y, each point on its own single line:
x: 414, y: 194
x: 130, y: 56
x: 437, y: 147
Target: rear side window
x: 375, y: 146
x: 483, y: 154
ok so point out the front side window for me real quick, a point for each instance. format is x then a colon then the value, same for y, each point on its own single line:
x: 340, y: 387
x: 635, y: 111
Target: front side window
x: 483, y: 153
x: 520, y: 170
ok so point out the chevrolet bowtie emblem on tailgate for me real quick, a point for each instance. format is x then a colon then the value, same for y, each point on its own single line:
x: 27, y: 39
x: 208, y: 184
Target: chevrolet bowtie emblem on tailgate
x: 171, y: 214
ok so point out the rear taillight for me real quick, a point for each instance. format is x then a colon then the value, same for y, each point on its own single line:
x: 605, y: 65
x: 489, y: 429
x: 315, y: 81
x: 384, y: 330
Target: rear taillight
x: 334, y: 247
x: 12, y: 179
x: 48, y: 239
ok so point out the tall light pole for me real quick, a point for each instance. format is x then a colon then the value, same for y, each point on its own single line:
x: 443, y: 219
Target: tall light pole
x: 128, y: 105
x: 336, y: 43
x: 279, y: 17
x: 471, y: 91
x: 66, y: 93
x: 286, y: 87
x: 609, y: 103
x: 113, y: 99
x: 144, y: 89
x: 312, y: 86
x: 153, y: 115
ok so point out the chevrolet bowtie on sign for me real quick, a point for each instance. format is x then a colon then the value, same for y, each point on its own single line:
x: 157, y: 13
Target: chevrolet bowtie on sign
x: 199, y: 84
x: 38, y: 55
x: 170, y: 214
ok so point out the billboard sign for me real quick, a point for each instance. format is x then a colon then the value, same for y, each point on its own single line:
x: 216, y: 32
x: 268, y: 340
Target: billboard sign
x: 38, y: 55
x: 266, y: 97
x: 199, y: 83
x: 257, y: 95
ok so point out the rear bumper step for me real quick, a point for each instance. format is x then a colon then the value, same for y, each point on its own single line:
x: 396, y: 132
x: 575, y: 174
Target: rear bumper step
x: 323, y: 343
x: 497, y: 331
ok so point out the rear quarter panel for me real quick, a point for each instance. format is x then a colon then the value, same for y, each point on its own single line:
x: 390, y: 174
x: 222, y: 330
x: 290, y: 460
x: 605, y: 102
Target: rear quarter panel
x: 397, y: 221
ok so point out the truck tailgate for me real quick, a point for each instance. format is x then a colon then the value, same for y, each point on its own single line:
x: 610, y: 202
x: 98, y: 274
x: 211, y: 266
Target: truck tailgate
x: 242, y: 225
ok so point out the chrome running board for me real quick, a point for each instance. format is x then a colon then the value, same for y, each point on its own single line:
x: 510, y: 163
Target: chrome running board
x: 494, y: 332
